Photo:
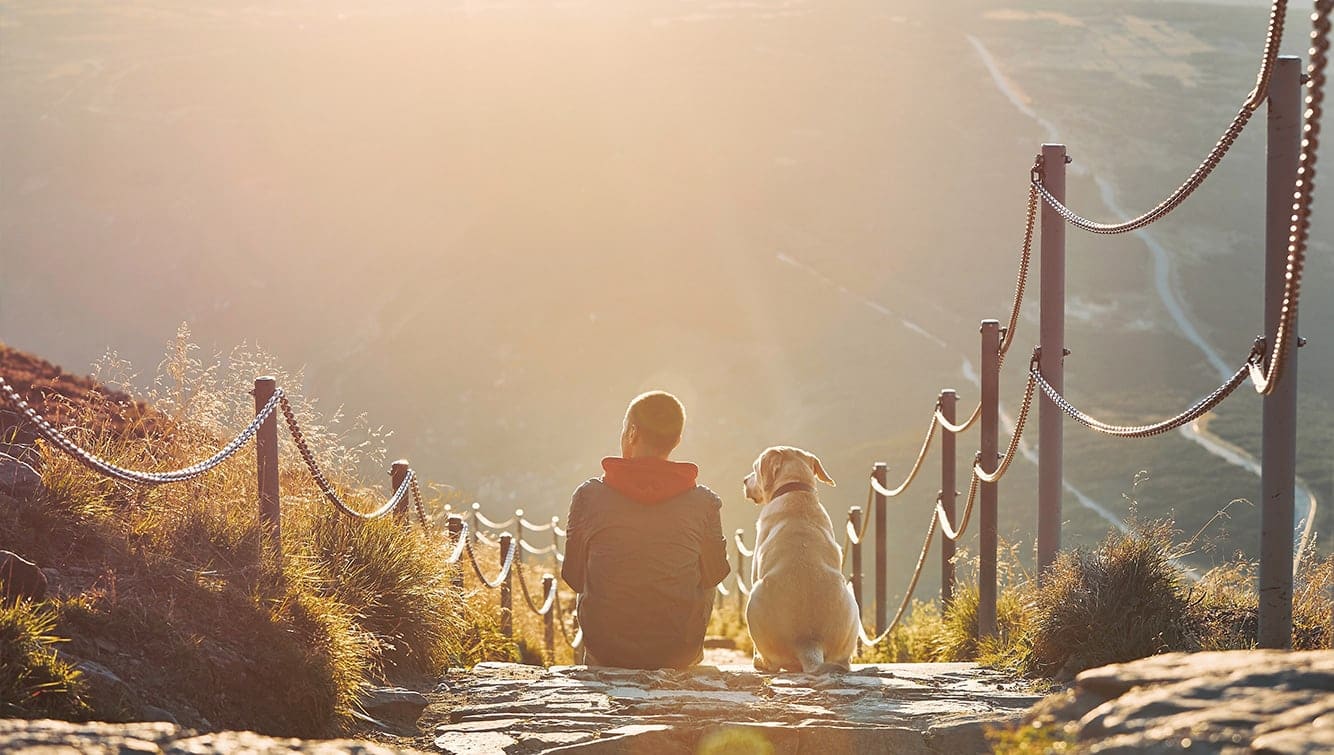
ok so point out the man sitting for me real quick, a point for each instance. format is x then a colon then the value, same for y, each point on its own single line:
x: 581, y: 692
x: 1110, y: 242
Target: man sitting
x: 645, y: 548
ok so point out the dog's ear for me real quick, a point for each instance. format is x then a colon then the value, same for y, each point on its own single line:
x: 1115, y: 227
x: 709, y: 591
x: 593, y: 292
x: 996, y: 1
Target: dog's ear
x: 771, y: 461
x: 820, y: 474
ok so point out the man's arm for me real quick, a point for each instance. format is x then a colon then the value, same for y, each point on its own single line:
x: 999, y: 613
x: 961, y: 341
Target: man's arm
x: 576, y: 543
x: 713, y: 566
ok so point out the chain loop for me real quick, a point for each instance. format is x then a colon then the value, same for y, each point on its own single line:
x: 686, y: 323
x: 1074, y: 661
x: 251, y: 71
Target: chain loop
x: 1192, y: 413
x: 1266, y: 378
x: 98, y: 464
x: 504, y: 568
x: 1273, y: 39
x: 916, y: 467
x: 323, y: 482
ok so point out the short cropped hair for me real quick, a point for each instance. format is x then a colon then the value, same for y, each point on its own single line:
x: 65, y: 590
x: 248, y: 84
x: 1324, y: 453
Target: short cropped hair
x: 660, y: 418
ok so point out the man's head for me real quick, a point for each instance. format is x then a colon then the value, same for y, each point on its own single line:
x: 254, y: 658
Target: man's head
x: 653, y: 425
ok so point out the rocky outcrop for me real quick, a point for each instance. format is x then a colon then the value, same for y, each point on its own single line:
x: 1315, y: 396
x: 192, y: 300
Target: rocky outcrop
x: 18, y: 479
x: 907, y: 708
x: 24, y: 737
x: 1236, y: 701
x: 20, y: 579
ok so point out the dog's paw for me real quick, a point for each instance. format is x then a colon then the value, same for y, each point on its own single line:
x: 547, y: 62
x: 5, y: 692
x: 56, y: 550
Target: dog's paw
x: 762, y: 665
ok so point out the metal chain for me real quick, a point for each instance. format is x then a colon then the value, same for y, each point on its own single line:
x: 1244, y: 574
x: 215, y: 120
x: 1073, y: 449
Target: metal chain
x: 578, y: 639
x: 945, y: 529
x: 1267, y: 379
x: 741, y: 546
x: 534, y: 550
x: 320, y: 480
x: 1021, y: 282
x: 102, y: 466
x: 462, y: 543
x: 1273, y: 39
x: 417, y: 502
x: 528, y: 598
x: 916, y: 467
x: 1013, y: 450
x: 504, y: 568
x: 529, y: 526
x: 907, y: 596
x: 482, y: 520
x: 1192, y: 413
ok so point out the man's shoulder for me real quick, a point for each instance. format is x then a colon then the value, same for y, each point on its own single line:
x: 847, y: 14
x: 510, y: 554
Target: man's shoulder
x: 703, y: 494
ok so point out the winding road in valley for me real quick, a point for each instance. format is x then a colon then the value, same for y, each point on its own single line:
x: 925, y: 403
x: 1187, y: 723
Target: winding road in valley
x: 1164, y: 284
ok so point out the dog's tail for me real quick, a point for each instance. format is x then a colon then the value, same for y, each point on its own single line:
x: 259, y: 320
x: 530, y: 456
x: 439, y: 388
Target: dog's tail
x: 811, y: 657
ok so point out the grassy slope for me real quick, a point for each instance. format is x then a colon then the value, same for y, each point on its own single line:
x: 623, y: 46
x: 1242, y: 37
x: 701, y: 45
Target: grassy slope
x: 166, y: 587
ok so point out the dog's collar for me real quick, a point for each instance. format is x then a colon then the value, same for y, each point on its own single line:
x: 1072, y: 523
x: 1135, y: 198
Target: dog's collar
x: 793, y: 487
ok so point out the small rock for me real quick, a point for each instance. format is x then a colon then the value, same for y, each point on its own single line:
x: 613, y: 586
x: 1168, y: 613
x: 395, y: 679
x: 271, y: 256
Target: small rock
x: 18, y: 479
x: 709, y: 642
x: 154, y: 713
x: 20, y: 579
x: 112, y: 697
x: 393, y: 702
x: 479, y: 743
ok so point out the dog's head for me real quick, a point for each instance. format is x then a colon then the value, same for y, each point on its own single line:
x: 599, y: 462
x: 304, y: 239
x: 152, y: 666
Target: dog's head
x: 778, y: 466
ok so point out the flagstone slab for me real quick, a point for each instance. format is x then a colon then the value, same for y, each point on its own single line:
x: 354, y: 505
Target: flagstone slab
x: 906, y: 708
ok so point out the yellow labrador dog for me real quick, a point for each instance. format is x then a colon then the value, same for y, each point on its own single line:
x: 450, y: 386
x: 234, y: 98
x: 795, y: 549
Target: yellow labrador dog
x: 802, y: 615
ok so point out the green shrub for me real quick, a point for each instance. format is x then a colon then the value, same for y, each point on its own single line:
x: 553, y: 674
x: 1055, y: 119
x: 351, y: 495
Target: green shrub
x: 1122, y: 601
x: 34, y: 681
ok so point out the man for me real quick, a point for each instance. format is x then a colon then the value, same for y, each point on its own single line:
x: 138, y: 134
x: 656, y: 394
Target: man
x: 645, y: 548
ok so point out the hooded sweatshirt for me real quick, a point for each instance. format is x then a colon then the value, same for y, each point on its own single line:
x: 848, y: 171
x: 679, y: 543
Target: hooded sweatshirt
x: 645, y: 550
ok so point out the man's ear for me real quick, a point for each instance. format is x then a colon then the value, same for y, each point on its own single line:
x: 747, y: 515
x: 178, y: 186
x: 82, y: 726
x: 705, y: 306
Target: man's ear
x: 820, y: 474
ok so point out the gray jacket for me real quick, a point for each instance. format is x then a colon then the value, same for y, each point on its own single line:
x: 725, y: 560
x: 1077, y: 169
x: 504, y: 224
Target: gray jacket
x: 645, y: 573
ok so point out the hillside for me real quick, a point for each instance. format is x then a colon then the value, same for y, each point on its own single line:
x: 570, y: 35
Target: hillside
x: 174, y: 609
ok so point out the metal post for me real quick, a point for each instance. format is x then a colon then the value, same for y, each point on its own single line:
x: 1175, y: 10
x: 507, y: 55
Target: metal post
x: 1279, y: 444
x: 740, y: 564
x: 881, y: 473
x: 987, y: 537
x: 948, y: 401
x: 398, y: 472
x: 506, y: 594
x: 1052, y: 339
x: 548, y: 619
x: 266, y: 465
x: 456, y: 532
x: 855, y: 519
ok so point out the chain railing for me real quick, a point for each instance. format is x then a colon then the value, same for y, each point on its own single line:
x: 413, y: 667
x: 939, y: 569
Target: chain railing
x: 1265, y: 366
x: 97, y: 464
x: 1273, y: 39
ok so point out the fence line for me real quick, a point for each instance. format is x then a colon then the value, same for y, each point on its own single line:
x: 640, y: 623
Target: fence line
x: 1265, y: 366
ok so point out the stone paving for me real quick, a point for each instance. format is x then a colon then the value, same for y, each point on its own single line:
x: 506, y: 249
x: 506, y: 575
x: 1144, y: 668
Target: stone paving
x: 924, y: 707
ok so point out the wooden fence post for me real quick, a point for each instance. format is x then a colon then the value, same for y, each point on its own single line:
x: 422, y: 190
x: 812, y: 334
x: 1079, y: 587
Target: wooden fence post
x: 1278, y: 448
x: 881, y: 473
x: 455, y: 534
x: 549, y: 618
x: 506, y: 587
x: 266, y: 466
x: 989, y: 442
x: 948, y: 402
x: 398, y: 471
